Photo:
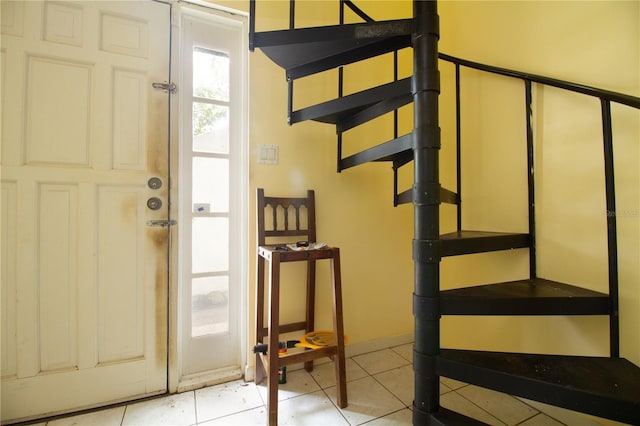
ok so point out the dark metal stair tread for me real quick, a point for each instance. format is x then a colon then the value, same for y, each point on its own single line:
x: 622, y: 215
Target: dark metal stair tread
x: 387, y: 151
x: 305, y: 51
x: 341, y: 109
x: 604, y: 387
x: 524, y: 297
x: 468, y: 242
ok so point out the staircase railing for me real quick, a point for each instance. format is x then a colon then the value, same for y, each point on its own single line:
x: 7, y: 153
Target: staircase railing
x: 366, y: 18
x: 605, y: 97
x: 396, y: 164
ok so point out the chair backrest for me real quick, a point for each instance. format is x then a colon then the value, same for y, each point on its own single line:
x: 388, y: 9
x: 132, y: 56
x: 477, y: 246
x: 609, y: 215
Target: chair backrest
x: 286, y: 219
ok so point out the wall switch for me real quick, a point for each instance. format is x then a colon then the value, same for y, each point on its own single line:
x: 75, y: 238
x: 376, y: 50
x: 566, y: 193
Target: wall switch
x: 268, y: 154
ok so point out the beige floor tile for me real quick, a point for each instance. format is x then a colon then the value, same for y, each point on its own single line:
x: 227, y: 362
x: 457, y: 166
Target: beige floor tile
x: 325, y: 376
x: 444, y: 388
x: 108, y: 417
x: 455, y: 402
x: 541, y: 420
x: 310, y: 409
x: 568, y: 417
x: 379, y: 361
x: 599, y: 421
x: 299, y: 382
x: 451, y: 383
x: 405, y: 351
x: 253, y: 417
x: 173, y: 410
x: 399, y: 381
x: 507, y: 408
x: 225, y: 399
x: 399, y: 418
x: 367, y: 400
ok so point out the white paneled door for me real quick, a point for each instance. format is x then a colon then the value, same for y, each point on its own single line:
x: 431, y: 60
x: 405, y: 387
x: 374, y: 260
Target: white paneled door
x: 84, y: 171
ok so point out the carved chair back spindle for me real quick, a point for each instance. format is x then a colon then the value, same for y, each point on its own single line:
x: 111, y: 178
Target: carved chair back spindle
x: 289, y: 217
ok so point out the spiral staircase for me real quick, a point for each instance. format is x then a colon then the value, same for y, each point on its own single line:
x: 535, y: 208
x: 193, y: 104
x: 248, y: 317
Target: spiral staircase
x: 607, y: 387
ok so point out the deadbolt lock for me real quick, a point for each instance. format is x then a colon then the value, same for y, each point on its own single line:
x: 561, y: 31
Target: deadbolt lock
x: 155, y: 183
x: 154, y: 203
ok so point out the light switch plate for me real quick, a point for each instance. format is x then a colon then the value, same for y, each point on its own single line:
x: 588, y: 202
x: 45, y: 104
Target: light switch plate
x: 268, y: 154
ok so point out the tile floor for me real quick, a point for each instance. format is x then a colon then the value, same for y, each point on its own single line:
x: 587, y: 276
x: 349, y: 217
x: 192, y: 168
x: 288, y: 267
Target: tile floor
x: 380, y: 392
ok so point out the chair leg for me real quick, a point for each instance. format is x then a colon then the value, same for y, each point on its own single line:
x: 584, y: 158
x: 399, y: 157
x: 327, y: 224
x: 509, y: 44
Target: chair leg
x: 311, y: 304
x: 341, y: 378
x: 273, y: 339
x: 272, y: 390
x: 260, y: 368
x: 338, y: 326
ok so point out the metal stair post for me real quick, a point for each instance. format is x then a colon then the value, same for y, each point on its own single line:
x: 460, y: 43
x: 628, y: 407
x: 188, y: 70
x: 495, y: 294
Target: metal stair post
x: 427, y: 251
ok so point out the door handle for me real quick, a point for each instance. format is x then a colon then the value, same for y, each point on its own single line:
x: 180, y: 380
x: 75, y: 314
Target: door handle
x: 162, y: 223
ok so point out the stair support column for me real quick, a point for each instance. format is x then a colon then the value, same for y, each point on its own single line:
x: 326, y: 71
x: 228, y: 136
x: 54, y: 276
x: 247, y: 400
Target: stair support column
x: 426, y: 200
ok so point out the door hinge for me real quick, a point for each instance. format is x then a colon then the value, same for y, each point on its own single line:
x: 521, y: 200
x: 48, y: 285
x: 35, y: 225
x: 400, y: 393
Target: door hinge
x: 170, y: 87
x: 162, y: 223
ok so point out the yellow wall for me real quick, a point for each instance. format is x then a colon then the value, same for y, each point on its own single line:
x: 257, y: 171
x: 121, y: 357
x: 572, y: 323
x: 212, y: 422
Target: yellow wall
x: 594, y: 43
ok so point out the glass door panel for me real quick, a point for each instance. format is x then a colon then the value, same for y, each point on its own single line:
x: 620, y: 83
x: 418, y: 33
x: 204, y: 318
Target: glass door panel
x: 209, y: 305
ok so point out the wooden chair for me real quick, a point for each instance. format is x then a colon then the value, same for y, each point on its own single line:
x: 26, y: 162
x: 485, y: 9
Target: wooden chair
x: 287, y: 226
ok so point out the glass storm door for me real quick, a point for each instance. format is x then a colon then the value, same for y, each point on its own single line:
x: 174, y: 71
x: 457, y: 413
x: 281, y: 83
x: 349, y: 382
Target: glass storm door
x: 211, y: 182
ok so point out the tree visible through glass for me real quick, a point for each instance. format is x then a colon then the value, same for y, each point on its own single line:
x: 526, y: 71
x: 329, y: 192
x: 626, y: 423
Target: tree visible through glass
x: 210, y: 109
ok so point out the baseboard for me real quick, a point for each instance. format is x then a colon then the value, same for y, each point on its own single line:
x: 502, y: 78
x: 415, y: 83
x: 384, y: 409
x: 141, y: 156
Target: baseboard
x: 350, y: 350
x: 249, y: 373
x: 209, y: 378
x: 377, y: 344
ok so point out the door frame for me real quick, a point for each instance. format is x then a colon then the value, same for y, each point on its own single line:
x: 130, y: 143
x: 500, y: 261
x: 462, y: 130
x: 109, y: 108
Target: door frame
x: 175, y: 353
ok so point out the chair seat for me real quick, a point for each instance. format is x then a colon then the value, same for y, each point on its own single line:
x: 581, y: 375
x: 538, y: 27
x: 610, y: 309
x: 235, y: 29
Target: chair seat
x: 288, y: 255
